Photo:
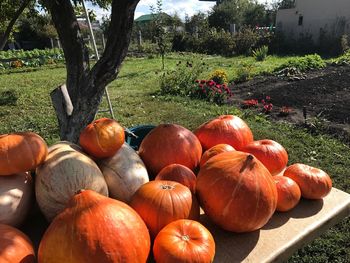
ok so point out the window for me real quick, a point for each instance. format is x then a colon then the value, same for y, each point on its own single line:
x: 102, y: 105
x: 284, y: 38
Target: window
x: 300, y: 21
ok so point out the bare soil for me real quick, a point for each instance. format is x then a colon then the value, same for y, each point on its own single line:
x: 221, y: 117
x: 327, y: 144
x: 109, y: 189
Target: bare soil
x: 324, y: 95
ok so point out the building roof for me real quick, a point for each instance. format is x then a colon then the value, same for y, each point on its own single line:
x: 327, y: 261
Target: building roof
x: 149, y: 17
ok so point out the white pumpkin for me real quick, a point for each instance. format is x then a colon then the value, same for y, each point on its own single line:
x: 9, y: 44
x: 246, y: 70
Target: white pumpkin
x: 124, y: 172
x: 15, y: 198
x: 65, y: 171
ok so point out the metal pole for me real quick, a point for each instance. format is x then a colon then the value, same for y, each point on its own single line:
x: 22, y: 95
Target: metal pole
x: 96, y: 54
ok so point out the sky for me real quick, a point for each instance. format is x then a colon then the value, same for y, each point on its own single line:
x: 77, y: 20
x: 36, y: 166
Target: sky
x: 181, y: 7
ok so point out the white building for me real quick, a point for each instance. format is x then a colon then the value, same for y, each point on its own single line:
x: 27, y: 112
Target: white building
x: 315, y: 17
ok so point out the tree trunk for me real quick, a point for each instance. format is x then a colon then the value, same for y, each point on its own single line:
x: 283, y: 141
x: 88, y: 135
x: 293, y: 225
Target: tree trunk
x: 5, y: 36
x: 85, y: 86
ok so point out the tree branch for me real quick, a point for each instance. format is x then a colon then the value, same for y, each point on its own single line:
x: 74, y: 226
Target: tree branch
x: 8, y: 30
x: 75, y: 52
x: 119, y: 34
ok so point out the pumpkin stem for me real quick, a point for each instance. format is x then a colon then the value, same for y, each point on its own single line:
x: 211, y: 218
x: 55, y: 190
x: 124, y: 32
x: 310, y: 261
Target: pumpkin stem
x: 167, y: 187
x: 80, y: 191
x: 248, y: 163
x: 185, y: 238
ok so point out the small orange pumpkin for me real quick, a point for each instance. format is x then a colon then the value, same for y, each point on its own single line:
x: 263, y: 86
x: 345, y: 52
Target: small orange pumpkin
x: 270, y: 153
x: 288, y: 193
x: 184, y: 241
x: 102, y: 138
x: 167, y: 144
x: 228, y: 129
x: 15, y: 246
x: 215, y: 150
x: 21, y: 152
x: 313, y: 182
x: 178, y: 173
x: 162, y: 202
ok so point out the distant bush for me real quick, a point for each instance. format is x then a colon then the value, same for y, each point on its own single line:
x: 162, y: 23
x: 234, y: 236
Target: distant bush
x: 219, y: 76
x: 304, y: 63
x: 245, y: 40
x: 260, y: 53
x: 180, y: 81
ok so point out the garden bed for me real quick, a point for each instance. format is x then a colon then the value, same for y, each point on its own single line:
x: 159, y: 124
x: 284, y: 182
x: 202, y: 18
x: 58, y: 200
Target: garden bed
x: 323, y: 94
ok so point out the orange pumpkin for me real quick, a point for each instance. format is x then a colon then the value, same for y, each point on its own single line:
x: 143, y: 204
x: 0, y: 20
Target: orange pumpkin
x: 21, y: 152
x: 94, y: 228
x: 184, y: 241
x: 270, y: 153
x: 178, y: 173
x: 102, y: 138
x: 167, y: 144
x: 228, y: 129
x: 162, y: 202
x: 313, y: 182
x: 215, y: 150
x: 288, y: 193
x: 15, y: 246
x: 236, y: 191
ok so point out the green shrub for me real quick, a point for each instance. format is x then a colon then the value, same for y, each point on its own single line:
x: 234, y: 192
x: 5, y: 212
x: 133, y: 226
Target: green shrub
x: 219, y: 76
x: 304, y: 63
x: 244, y: 72
x: 245, y: 40
x: 260, y: 53
x: 180, y: 80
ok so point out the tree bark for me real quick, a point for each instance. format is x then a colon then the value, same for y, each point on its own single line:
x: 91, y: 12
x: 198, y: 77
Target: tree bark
x: 85, y: 86
x: 5, y: 36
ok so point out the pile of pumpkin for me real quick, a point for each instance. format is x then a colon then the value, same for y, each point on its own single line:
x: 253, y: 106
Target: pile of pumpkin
x: 107, y: 203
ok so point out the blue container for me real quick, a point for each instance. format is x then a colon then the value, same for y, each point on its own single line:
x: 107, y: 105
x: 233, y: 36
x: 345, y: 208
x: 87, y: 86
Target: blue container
x: 140, y: 132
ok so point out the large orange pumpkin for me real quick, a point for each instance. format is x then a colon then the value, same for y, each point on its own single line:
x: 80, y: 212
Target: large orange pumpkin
x: 167, y: 144
x: 21, y: 152
x: 313, y: 182
x: 236, y: 191
x: 178, y: 173
x: 15, y: 246
x: 288, y: 193
x: 270, y: 153
x: 102, y: 138
x: 215, y: 150
x: 228, y: 129
x: 94, y: 228
x: 161, y: 202
x: 184, y: 241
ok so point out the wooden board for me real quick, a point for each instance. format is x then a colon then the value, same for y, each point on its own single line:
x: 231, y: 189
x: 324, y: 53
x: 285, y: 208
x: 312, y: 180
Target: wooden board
x: 284, y: 233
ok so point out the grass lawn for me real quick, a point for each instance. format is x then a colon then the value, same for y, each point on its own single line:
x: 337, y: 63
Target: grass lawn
x: 25, y: 105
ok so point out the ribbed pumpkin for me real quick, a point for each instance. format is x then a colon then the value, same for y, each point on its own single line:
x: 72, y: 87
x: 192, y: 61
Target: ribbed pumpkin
x: 16, y: 194
x: 288, y: 193
x: 313, y: 182
x: 184, y: 241
x: 215, y: 150
x: 21, y: 152
x: 124, y: 172
x: 178, y: 173
x: 162, y: 202
x: 228, y: 129
x: 65, y: 171
x: 167, y: 144
x: 102, y: 138
x: 94, y: 228
x: 236, y: 191
x: 15, y: 246
x: 270, y: 153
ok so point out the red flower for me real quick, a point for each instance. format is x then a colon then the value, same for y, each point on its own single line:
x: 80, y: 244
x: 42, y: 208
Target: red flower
x: 203, y: 81
x: 197, y: 80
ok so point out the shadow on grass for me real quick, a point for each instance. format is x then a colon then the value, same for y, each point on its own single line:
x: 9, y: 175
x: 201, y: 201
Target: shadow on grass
x: 8, y: 98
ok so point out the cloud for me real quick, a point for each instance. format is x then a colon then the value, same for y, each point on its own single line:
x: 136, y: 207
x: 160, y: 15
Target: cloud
x: 181, y: 7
